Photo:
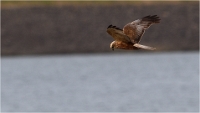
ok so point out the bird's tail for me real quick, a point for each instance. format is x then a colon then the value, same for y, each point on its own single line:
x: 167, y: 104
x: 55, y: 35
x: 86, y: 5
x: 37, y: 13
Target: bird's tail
x: 143, y: 47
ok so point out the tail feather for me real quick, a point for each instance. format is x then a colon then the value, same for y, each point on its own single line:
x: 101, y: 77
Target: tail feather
x: 143, y: 47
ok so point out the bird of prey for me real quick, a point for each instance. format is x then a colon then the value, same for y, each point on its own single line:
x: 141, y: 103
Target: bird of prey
x: 130, y: 36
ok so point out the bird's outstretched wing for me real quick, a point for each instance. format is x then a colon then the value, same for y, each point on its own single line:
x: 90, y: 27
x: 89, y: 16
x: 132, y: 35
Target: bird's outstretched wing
x: 136, y: 29
x: 117, y: 34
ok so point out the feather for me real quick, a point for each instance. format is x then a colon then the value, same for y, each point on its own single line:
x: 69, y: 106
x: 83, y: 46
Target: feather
x: 143, y: 47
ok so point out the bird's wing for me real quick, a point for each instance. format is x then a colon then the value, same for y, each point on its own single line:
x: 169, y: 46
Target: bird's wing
x: 143, y: 46
x: 136, y: 29
x: 117, y: 34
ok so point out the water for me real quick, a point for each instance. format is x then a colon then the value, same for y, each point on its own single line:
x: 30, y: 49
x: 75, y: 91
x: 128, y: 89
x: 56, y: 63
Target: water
x: 163, y: 82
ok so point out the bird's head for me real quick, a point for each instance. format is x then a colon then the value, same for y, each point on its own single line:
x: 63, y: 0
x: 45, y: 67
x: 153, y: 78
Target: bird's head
x: 112, y: 45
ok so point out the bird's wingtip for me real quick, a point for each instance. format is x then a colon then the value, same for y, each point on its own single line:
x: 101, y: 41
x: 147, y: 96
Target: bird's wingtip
x: 153, y: 18
x: 111, y: 26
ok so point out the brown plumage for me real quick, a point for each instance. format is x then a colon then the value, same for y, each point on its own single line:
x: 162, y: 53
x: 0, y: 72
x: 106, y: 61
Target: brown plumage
x: 130, y: 36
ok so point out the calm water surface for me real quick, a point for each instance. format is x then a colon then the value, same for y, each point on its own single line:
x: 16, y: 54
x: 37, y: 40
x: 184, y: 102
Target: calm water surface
x: 163, y: 82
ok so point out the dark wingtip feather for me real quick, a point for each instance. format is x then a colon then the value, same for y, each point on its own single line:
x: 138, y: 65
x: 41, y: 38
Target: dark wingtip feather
x: 154, y: 18
x: 111, y: 26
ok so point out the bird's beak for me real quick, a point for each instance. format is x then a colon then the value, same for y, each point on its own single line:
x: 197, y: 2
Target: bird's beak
x: 113, y: 48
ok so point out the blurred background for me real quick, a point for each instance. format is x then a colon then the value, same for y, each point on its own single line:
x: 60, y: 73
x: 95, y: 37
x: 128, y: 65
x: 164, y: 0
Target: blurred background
x: 66, y: 27
x: 56, y: 57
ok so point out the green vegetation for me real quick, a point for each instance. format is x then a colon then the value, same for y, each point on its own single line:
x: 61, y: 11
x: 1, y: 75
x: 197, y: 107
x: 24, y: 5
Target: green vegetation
x: 54, y: 2
x: 8, y: 4
x: 81, y: 3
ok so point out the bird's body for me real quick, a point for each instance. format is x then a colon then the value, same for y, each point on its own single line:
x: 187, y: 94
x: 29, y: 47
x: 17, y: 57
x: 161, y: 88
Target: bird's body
x: 123, y: 45
x: 130, y: 36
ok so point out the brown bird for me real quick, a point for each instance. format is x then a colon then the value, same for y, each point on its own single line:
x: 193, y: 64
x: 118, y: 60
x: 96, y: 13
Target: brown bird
x: 130, y: 36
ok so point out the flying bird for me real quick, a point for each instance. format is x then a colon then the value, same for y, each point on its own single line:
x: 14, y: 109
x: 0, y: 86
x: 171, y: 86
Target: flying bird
x: 129, y: 37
